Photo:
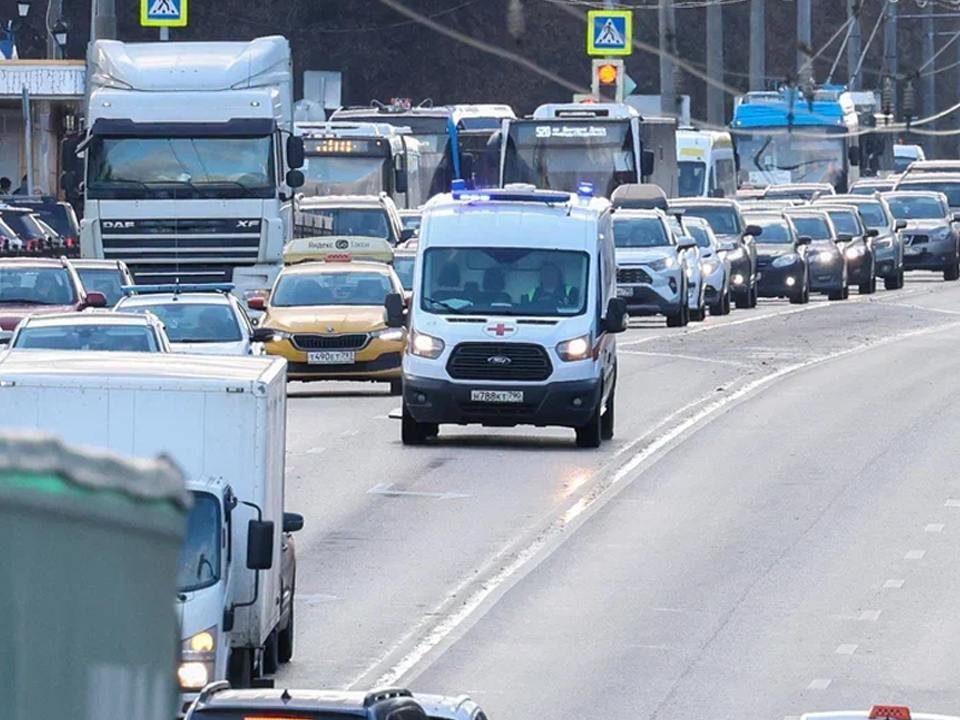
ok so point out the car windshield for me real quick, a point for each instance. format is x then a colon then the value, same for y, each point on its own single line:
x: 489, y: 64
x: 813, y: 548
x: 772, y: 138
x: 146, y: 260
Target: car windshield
x: 356, y: 222
x: 723, y: 219
x: 812, y: 226
x: 698, y: 233
x: 199, y: 565
x: 108, y: 281
x: 845, y: 222
x: 773, y: 230
x: 180, y: 167
x: 870, y: 189
x: 189, y: 322
x: 331, y: 288
x: 640, y: 233
x: 404, y: 265
x: 905, y: 207
x: 36, y: 286
x: 344, y: 175
x: 873, y: 215
x: 950, y: 189
x: 693, y: 175
x: 504, y: 281
x: 107, y: 337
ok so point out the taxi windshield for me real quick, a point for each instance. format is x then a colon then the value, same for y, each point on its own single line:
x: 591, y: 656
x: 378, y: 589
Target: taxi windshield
x: 331, y: 288
x: 504, y: 281
x: 357, y: 222
x: 193, y: 322
x: 108, y: 337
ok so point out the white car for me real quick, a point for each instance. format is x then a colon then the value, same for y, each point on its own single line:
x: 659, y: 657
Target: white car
x: 198, y: 321
x: 713, y: 268
x: 102, y: 331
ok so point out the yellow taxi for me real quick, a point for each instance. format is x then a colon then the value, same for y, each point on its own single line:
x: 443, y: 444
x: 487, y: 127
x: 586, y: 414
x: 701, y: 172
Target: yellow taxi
x: 336, y: 312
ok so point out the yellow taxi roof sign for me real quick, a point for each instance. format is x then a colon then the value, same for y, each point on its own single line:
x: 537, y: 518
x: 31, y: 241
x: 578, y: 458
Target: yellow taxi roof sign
x: 337, y: 249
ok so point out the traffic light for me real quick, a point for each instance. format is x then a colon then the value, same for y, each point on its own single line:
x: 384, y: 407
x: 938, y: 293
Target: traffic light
x: 607, y: 85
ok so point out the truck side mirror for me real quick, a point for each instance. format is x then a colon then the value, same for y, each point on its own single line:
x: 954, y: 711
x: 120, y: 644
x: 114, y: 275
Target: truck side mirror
x: 295, y: 179
x: 292, y: 522
x: 260, y: 544
x: 647, y: 162
x: 853, y: 155
x: 400, y: 174
x: 394, y: 305
x: 616, y: 318
x: 295, y: 153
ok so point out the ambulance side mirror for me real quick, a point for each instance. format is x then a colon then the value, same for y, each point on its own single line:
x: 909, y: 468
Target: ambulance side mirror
x: 394, y: 306
x: 616, y: 318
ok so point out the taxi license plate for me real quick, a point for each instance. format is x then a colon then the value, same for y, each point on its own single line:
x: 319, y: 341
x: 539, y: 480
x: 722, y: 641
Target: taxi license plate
x: 497, y: 396
x: 338, y: 357
x: 624, y: 292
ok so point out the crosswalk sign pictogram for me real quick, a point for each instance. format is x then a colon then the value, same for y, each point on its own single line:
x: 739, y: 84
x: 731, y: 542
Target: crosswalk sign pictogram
x: 163, y: 13
x: 609, y: 32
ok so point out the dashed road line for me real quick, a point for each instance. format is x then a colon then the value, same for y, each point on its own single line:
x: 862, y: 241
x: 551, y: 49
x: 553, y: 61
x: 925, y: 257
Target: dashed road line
x: 915, y: 555
x: 869, y: 615
x: 819, y: 684
x: 934, y: 528
x: 893, y: 583
x: 848, y: 649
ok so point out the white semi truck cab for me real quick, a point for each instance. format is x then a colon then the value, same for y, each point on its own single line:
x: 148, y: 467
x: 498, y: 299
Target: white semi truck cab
x: 190, y: 159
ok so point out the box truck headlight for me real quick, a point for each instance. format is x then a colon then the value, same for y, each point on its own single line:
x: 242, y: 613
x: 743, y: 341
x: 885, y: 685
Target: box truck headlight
x: 197, y: 653
x: 194, y: 675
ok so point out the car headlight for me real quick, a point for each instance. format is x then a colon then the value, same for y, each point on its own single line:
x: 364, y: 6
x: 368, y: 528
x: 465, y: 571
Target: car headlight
x: 824, y: 257
x: 578, y: 348
x: 278, y: 335
x: 785, y: 260
x: 942, y: 234
x: 424, y: 345
x: 710, y: 267
x: 197, y: 655
x: 390, y: 334
x: 663, y: 263
x: 855, y: 252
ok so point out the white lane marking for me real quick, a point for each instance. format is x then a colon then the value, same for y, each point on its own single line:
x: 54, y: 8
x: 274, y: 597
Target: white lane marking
x: 316, y: 598
x: 934, y: 528
x: 893, y: 583
x: 952, y: 503
x: 676, y: 356
x: 819, y: 684
x: 387, y: 489
x: 915, y: 555
x: 913, y: 306
x: 849, y: 649
x: 315, y: 451
x: 449, y: 623
x: 870, y: 615
x: 349, y: 433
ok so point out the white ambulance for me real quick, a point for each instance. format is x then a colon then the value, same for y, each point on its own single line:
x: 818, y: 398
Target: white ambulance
x: 514, y: 315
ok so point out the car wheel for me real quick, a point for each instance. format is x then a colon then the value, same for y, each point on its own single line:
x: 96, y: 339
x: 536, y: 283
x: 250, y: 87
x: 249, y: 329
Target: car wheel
x: 952, y: 271
x: 869, y: 287
x: 699, y: 315
x: 591, y: 434
x: 836, y: 294
x: 607, y: 418
x: 721, y: 306
x: 801, y: 297
x: 396, y: 387
x: 893, y: 282
x: 413, y: 432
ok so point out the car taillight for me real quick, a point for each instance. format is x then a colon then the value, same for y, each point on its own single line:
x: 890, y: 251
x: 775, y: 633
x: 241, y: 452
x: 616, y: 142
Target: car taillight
x: 70, y: 242
x: 31, y: 246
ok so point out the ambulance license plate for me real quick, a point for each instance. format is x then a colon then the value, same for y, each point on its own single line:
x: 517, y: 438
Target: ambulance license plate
x: 331, y: 357
x: 497, y: 396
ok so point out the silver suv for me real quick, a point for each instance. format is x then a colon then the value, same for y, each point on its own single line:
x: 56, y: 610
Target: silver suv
x: 930, y: 237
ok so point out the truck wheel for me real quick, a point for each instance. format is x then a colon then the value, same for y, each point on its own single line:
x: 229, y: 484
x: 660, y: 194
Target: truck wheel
x: 413, y: 432
x: 607, y: 418
x: 591, y: 434
x: 285, y: 641
x: 240, y: 668
x: 271, y: 655
x: 396, y: 387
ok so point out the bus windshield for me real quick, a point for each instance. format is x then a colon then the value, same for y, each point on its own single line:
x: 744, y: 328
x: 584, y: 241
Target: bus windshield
x: 780, y: 157
x: 559, y: 154
x: 344, y: 175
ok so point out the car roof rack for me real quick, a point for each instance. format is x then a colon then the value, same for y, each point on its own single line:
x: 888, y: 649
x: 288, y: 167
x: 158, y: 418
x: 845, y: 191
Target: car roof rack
x: 177, y: 288
x: 388, y: 693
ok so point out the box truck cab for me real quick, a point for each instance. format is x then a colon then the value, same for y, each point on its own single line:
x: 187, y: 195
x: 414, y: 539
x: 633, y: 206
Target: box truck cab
x: 515, y: 314
x: 706, y: 163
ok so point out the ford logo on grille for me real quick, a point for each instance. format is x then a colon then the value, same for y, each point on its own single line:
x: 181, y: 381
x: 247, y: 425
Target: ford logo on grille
x: 499, y: 360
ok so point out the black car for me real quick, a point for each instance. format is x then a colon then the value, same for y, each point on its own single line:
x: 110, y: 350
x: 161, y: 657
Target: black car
x: 827, y: 265
x: 58, y: 215
x: 34, y: 238
x: 781, y: 258
x: 856, y: 245
x: 737, y: 243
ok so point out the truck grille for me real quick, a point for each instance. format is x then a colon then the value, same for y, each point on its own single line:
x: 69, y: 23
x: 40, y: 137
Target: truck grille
x: 514, y: 361
x: 192, y: 250
x: 633, y: 276
x: 353, y: 341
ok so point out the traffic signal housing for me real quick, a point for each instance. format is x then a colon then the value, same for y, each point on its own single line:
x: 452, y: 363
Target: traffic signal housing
x: 607, y: 81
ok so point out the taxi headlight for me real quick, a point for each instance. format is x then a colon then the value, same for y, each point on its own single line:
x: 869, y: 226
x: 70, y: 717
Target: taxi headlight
x: 423, y: 345
x: 194, y: 675
x: 390, y: 334
x: 785, y: 260
x: 578, y: 348
x: 855, y: 252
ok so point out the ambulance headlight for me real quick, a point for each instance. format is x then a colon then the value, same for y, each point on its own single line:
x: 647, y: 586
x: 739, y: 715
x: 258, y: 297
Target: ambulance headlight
x: 578, y: 348
x: 423, y: 345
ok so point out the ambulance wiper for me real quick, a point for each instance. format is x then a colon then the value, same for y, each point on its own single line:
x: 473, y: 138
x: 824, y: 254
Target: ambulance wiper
x: 446, y: 306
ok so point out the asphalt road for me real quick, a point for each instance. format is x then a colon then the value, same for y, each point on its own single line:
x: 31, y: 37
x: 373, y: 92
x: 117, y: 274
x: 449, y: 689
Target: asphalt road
x: 773, y: 530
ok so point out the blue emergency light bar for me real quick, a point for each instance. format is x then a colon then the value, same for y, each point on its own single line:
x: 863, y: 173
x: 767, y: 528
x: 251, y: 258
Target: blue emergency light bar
x: 509, y: 194
x: 177, y: 288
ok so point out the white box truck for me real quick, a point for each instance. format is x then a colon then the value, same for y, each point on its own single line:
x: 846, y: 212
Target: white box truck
x: 223, y: 421
x: 190, y: 159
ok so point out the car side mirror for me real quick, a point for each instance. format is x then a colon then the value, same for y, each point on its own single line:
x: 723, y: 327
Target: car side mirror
x: 257, y: 302
x: 292, y: 522
x: 260, y: 544
x: 394, y: 305
x: 294, y: 179
x: 900, y: 224
x: 648, y: 162
x: 872, y: 232
x: 263, y: 335
x: 295, y: 153
x: 616, y: 318
x: 717, y: 193
x: 844, y: 237
x: 407, y: 234
x: 96, y: 300
x: 685, y: 242
x: 956, y: 217
x: 804, y: 240
x: 754, y: 230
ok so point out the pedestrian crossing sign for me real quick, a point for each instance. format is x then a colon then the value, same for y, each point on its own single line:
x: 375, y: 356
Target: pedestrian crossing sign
x: 610, y: 32
x: 163, y: 13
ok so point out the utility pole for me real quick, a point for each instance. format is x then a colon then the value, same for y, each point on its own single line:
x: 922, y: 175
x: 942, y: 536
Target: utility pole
x: 890, y: 64
x: 715, y: 95
x: 758, y: 45
x: 804, y: 40
x: 668, y: 69
x: 854, y: 43
x: 928, y: 83
x: 103, y: 20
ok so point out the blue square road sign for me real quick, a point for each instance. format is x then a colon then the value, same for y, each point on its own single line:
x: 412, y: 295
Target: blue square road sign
x: 609, y: 32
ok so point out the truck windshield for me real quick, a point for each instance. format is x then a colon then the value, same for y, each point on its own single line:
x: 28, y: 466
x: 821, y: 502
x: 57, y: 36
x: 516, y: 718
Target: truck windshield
x: 199, y: 565
x: 693, y: 175
x: 181, y: 168
x: 344, y: 175
x: 781, y: 157
x: 504, y: 281
x: 559, y: 154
